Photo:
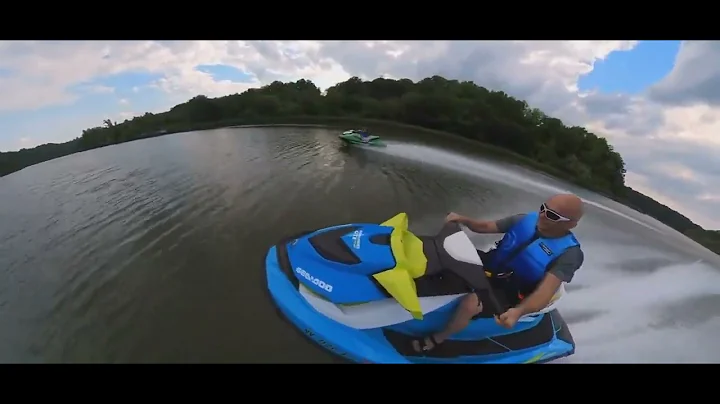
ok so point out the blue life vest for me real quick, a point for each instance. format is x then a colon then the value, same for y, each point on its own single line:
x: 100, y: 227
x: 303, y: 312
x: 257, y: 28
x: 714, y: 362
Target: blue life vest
x: 526, y: 254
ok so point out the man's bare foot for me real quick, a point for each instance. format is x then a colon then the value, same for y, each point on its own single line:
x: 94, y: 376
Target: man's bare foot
x: 426, y: 344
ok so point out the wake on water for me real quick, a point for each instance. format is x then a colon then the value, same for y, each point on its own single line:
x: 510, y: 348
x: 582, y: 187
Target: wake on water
x: 668, y: 311
x: 651, y: 317
x: 488, y: 170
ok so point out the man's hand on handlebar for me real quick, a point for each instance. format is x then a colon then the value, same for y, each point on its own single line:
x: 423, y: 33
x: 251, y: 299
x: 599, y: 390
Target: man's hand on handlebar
x: 453, y: 217
x: 477, y: 226
x: 509, y: 318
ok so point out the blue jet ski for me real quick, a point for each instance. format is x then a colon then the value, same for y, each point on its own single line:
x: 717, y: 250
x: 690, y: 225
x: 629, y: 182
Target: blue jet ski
x: 366, y: 291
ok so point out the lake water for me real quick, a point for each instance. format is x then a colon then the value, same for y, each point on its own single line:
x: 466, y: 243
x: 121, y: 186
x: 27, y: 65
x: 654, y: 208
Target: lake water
x: 153, y: 251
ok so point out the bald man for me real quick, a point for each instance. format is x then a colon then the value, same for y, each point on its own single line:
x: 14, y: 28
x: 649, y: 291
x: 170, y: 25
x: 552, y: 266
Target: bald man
x: 537, y: 253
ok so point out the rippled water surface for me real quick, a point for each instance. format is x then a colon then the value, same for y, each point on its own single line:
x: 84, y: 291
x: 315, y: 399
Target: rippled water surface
x: 153, y: 250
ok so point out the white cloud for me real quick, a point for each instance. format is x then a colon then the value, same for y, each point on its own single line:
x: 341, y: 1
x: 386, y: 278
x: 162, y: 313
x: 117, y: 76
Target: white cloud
x: 26, y: 142
x: 666, y: 136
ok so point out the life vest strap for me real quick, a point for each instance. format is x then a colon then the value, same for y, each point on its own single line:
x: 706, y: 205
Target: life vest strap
x: 501, y: 275
x: 504, y: 275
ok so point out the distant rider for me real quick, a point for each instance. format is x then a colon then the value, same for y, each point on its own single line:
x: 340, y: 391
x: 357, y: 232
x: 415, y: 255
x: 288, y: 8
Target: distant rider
x: 364, y: 135
x: 550, y: 255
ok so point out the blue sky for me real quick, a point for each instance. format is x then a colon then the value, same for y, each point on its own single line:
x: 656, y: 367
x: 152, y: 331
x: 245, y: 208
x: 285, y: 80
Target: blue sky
x: 632, y: 71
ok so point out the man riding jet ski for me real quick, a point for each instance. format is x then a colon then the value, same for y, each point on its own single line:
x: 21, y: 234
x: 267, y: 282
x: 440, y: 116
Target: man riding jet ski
x: 537, y: 254
x: 378, y: 293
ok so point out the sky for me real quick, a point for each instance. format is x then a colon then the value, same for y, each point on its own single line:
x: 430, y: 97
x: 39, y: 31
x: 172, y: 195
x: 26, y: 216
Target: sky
x: 657, y: 102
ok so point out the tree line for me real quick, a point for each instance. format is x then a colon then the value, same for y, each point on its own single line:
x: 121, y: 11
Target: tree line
x: 459, y: 107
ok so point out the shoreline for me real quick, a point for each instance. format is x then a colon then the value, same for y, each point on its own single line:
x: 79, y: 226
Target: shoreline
x: 342, y: 123
x: 489, y: 151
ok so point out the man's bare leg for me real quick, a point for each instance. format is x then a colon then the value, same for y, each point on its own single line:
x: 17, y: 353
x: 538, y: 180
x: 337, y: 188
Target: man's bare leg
x: 469, y: 306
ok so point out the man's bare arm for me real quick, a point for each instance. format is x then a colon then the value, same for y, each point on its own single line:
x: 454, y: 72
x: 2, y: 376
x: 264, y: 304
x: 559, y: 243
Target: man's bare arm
x: 480, y: 226
x: 495, y: 226
x: 561, y: 271
x: 540, y: 298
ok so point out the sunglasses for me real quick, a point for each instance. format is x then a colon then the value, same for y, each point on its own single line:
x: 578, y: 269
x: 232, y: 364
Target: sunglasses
x: 553, y: 216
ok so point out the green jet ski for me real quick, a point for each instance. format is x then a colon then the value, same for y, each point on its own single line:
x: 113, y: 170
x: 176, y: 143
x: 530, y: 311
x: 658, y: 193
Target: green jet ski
x: 361, y: 137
